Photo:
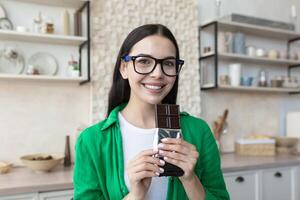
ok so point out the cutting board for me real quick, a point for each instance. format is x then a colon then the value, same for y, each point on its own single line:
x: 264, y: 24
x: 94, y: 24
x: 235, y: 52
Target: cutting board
x: 293, y: 124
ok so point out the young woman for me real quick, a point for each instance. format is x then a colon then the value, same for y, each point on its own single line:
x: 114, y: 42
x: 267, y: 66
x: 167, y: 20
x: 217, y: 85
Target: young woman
x: 114, y: 158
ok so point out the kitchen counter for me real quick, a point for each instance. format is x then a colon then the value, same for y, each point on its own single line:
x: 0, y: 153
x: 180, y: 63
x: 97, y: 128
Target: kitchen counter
x: 23, y: 180
x: 232, y: 162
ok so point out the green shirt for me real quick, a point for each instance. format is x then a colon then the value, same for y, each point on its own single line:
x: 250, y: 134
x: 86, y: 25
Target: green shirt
x: 99, y: 164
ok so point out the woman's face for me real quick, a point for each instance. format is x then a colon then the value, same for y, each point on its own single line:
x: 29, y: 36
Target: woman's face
x: 154, y: 87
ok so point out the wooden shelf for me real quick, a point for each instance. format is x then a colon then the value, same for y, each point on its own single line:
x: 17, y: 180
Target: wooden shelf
x: 59, y: 3
x: 240, y: 57
x: 257, y: 30
x: 259, y: 89
x: 39, y: 77
x: 41, y: 38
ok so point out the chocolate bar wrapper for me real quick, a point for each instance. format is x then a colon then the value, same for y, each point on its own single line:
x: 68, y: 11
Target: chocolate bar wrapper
x: 160, y: 133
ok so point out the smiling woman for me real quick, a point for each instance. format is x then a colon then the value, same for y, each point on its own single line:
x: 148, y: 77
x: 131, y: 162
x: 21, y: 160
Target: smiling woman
x: 115, y: 158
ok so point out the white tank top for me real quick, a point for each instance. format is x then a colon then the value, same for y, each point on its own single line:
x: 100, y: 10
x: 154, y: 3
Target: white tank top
x: 136, y: 140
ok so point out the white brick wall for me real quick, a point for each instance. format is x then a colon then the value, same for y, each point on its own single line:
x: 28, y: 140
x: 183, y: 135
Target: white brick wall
x: 112, y: 20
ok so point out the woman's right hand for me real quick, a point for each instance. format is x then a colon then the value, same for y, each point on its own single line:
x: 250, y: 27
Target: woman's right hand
x: 140, y: 171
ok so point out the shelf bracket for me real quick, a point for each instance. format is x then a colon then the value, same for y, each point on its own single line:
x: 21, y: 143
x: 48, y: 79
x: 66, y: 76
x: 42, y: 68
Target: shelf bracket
x: 87, y: 43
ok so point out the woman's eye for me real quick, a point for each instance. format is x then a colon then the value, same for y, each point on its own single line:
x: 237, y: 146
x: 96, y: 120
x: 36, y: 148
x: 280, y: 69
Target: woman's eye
x: 169, y: 63
x: 144, y: 61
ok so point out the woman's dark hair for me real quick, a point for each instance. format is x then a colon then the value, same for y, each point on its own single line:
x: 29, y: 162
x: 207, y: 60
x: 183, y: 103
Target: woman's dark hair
x: 120, y: 89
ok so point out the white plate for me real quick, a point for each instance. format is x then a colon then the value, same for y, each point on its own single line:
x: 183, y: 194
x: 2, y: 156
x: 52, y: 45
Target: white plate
x: 2, y: 12
x: 45, y: 63
x: 11, y: 66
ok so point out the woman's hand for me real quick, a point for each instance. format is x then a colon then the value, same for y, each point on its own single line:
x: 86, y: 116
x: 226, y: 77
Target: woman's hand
x: 140, y: 171
x: 180, y: 153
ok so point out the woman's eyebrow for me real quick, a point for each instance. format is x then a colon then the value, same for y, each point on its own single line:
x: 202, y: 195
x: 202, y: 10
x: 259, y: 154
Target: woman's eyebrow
x: 142, y: 54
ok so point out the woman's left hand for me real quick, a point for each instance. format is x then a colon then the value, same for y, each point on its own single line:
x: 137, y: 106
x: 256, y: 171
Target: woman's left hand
x: 180, y: 153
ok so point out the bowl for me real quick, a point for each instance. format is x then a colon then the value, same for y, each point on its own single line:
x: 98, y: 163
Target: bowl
x: 5, y: 167
x: 286, y: 141
x: 42, y: 162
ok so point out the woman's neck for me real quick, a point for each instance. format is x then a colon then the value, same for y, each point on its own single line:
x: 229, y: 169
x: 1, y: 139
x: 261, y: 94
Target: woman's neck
x: 140, y: 114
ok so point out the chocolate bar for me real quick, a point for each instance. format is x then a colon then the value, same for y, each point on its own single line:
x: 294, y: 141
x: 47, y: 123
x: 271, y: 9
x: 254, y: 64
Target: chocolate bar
x: 167, y: 122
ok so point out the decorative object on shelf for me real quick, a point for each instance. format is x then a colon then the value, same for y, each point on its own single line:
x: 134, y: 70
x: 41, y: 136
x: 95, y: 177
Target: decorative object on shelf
x: 224, y: 80
x: 6, y: 24
x: 260, y: 52
x: 218, y: 8
x: 250, y: 51
x: 2, y: 12
x: 263, y: 78
x: 21, y: 29
x: 277, y: 81
x: 37, y: 23
x: 235, y: 73
x: 239, y: 43
x: 73, y: 68
x: 11, y: 60
x: 260, y: 21
x: 293, y: 16
x: 207, y: 50
x: 66, y: 22
x: 246, y: 81
x: 273, y: 54
x: 67, y: 159
x: 77, y: 24
x: 47, y: 26
x: 44, y: 63
x: 290, y: 82
x: 225, y: 42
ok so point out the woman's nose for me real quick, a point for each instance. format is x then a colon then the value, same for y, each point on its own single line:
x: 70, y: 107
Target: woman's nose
x: 157, y: 72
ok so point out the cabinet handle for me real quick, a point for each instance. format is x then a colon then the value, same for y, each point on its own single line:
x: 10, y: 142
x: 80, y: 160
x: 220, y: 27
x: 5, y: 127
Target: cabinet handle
x: 278, y: 174
x: 239, y: 179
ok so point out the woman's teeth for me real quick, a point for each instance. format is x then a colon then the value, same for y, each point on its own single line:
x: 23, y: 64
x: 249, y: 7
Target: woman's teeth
x: 153, y: 87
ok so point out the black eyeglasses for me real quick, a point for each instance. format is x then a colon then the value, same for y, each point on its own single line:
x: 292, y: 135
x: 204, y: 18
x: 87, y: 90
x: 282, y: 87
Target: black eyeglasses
x: 145, y: 64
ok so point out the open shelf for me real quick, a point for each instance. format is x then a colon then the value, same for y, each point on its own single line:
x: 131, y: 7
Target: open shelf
x: 39, y: 77
x: 255, y: 59
x: 41, y: 38
x: 259, y: 89
x: 59, y: 3
x: 258, y: 30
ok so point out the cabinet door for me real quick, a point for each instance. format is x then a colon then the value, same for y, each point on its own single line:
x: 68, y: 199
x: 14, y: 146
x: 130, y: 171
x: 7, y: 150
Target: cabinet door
x: 57, y: 195
x: 242, y: 185
x: 277, y: 184
x: 31, y: 196
x: 296, y: 177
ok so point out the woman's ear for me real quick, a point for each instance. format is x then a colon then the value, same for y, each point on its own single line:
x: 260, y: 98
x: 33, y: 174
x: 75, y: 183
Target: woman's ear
x: 123, y: 70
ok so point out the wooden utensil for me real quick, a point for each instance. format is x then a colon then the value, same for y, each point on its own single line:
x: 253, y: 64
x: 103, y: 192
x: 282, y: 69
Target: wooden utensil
x: 221, y: 124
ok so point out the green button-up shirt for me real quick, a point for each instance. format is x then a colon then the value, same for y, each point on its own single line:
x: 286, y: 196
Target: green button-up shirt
x: 99, y: 164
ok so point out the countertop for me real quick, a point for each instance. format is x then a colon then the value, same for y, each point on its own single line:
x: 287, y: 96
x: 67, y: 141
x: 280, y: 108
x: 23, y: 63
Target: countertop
x: 23, y: 180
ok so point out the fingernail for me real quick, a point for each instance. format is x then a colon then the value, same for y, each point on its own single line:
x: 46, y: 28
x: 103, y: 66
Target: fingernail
x: 161, y: 169
x: 160, y: 145
x: 157, y: 174
x: 161, y: 152
x: 164, y: 139
x: 162, y: 162
x: 166, y: 158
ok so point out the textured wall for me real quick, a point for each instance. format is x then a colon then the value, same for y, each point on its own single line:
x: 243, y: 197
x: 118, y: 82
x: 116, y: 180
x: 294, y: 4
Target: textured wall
x: 111, y: 22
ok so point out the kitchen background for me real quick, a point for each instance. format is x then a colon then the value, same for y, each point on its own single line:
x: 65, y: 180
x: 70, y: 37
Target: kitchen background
x: 36, y: 114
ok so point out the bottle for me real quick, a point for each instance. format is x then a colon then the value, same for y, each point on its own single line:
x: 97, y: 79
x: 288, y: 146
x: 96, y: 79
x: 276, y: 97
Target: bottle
x: 66, y: 22
x: 37, y: 22
x: 67, y: 159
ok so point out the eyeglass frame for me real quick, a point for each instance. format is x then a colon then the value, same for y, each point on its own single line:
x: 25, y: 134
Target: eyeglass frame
x: 179, y: 63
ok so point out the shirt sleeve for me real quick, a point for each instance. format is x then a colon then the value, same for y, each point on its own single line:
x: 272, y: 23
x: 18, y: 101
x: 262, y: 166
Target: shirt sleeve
x: 86, y: 184
x: 212, y: 177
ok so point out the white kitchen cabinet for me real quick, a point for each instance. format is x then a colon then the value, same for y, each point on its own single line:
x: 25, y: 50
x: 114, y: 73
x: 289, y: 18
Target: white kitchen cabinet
x: 277, y: 184
x: 31, y: 196
x: 264, y: 184
x: 57, y: 195
x: 242, y: 185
